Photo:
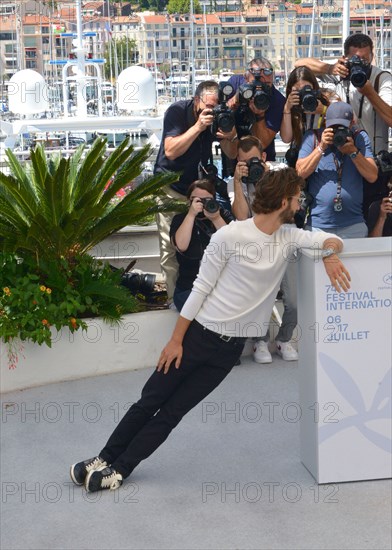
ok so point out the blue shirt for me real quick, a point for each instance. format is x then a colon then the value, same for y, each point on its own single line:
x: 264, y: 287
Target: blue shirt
x: 273, y: 115
x: 322, y: 184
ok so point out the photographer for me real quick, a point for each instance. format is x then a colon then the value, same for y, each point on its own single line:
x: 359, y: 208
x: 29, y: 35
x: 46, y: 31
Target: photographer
x: 191, y: 232
x: 264, y: 123
x: 249, y: 170
x: 368, y: 90
x: 305, y: 107
x: 186, y: 143
x: 335, y: 161
x: 380, y: 217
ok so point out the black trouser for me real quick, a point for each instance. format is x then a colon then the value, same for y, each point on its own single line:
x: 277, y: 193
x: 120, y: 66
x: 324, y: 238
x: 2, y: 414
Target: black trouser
x: 166, y: 398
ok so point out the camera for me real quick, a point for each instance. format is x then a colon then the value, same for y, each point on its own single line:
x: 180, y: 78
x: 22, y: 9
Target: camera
x: 210, y: 205
x: 291, y: 155
x: 340, y: 135
x: 255, y: 171
x: 301, y: 215
x: 136, y: 283
x: 308, y: 98
x: 259, y: 91
x: 384, y: 162
x: 359, y: 71
x: 223, y: 116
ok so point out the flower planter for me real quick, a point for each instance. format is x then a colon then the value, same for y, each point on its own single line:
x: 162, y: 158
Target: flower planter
x: 102, y: 349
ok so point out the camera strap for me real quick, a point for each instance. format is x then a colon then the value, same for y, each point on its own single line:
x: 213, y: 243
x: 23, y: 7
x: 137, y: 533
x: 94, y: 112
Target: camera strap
x: 339, y: 171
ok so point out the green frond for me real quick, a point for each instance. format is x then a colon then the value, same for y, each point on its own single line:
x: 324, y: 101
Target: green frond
x: 90, y: 166
x: 130, y: 170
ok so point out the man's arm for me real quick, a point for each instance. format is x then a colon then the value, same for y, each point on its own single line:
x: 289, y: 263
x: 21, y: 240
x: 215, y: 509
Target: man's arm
x: 173, y: 349
x: 307, y: 165
x: 334, y: 267
x: 240, y: 206
x: 264, y: 134
x: 320, y: 68
x: 176, y: 146
x: 211, y: 266
x: 385, y: 210
x: 366, y: 166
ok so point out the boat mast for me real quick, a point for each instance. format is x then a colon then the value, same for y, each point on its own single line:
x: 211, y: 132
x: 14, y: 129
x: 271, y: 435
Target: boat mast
x: 192, y: 44
x: 346, y: 20
x: 206, y: 41
x: 311, y: 39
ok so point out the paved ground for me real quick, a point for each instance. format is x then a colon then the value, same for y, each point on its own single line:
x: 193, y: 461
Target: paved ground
x: 229, y: 477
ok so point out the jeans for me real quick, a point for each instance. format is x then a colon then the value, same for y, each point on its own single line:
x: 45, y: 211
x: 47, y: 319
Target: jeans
x: 169, y: 264
x: 166, y: 398
x: 355, y: 231
x: 289, y: 317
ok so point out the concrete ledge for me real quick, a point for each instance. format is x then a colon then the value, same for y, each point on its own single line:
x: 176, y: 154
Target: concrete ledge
x: 102, y: 349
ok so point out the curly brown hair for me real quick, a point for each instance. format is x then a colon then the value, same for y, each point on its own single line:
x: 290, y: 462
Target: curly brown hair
x: 273, y: 187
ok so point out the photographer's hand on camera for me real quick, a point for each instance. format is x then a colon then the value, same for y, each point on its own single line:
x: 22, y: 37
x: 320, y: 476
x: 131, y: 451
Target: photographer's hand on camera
x: 241, y: 170
x: 293, y: 100
x: 339, y: 68
x: 205, y: 119
x: 196, y: 207
x: 307, y: 165
x: 349, y: 147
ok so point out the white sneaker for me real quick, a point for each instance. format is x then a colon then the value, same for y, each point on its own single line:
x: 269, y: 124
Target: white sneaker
x: 286, y: 351
x: 261, y: 352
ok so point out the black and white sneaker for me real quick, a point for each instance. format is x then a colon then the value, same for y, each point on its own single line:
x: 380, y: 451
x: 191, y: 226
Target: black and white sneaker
x: 80, y: 470
x: 103, y: 478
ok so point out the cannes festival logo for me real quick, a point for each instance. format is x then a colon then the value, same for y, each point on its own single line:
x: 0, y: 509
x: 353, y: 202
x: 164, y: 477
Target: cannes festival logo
x: 380, y: 409
x: 387, y: 279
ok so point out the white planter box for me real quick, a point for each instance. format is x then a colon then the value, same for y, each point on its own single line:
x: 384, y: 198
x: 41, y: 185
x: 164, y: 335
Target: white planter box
x: 102, y: 349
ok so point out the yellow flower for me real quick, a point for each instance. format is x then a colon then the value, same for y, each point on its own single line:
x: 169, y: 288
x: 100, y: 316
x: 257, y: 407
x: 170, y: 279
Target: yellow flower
x: 42, y: 288
x: 7, y: 291
x: 49, y: 291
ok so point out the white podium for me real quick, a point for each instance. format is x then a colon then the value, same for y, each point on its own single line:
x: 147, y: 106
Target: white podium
x: 345, y: 364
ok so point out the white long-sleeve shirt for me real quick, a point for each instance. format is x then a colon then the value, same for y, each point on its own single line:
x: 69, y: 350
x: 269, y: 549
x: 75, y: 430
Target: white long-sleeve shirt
x: 240, y: 274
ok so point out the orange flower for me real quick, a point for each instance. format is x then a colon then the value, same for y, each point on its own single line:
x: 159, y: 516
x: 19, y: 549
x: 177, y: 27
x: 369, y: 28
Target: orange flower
x: 45, y: 322
x: 7, y: 291
x: 35, y: 302
x: 49, y: 291
x: 73, y: 322
x: 42, y: 288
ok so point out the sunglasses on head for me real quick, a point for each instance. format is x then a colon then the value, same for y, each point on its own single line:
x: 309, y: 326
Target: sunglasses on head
x: 265, y: 71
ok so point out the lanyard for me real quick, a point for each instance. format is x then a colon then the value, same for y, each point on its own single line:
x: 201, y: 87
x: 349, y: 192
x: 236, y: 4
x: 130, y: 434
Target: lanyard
x: 339, y: 170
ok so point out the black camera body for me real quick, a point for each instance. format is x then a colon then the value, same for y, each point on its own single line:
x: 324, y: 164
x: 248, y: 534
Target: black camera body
x: 223, y: 116
x: 384, y: 162
x: 309, y: 98
x: 255, y: 171
x: 210, y: 205
x: 301, y: 215
x: 223, y: 119
x: 260, y: 92
x: 340, y: 135
x: 359, y: 71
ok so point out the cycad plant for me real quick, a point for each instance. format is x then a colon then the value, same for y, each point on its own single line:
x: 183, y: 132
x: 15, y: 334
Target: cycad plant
x: 52, y: 212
